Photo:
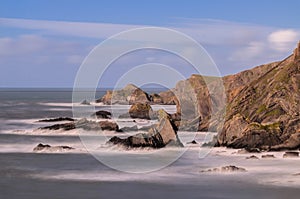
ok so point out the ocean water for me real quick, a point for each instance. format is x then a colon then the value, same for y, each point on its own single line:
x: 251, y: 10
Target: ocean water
x: 101, y: 172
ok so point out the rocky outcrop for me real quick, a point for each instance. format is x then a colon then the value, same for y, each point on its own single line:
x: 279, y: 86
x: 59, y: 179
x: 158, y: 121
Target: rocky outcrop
x: 130, y: 94
x: 47, y: 148
x: 164, y: 134
x: 86, y: 125
x: 264, y: 113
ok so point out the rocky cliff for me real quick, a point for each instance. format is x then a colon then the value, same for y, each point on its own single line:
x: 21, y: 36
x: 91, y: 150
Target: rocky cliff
x: 264, y: 111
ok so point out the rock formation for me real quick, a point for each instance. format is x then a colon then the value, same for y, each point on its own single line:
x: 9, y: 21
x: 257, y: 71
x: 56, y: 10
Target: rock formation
x: 164, y: 134
x: 47, y: 148
x: 130, y: 94
x: 140, y: 110
x: 86, y: 125
x: 264, y: 113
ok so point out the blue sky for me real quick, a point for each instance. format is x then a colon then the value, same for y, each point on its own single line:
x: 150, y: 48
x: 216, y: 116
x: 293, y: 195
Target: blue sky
x: 43, y: 43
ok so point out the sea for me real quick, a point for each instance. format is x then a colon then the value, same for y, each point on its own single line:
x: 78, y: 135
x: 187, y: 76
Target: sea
x: 93, y: 170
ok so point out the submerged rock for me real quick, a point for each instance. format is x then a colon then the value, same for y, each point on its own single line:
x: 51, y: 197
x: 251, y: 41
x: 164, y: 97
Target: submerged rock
x: 46, y: 147
x: 86, y: 125
x: 85, y: 102
x: 163, y: 134
x: 252, y: 157
x: 58, y: 119
x: 291, y: 154
x: 226, y: 169
x: 102, y: 114
x: 267, y: 156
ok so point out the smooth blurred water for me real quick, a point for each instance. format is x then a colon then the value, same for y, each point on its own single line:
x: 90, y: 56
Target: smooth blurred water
x: 77, y: 174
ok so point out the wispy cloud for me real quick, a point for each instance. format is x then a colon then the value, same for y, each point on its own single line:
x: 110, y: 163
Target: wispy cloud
x: 79, y: 29
x: 233, y: 46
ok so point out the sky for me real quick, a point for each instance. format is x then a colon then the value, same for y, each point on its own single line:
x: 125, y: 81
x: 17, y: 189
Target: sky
x: 44, y: 43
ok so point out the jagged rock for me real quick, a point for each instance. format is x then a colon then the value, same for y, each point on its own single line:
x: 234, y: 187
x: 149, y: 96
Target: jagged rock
x: 267, y: 156
x: 58, y: 119
x: 140, y: 110
x: 268, y: 106
x: 86, y: 125
x: 85, y: 102
x: 291, y: 154
x: 252, y: 157
x: 292, y: 143
x: 168, y: 97
x: 130, y: 94
x: 46, y: 147
x: 102, y: 114
x: 226, y: 169
x: 164, y: 134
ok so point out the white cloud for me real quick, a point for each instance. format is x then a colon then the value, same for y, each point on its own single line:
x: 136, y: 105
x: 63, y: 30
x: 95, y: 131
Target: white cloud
x: 253, y: 50
x: 283, y: 40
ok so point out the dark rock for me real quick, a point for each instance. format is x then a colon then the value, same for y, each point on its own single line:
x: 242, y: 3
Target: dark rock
x: 102, y: 114
x: 252, y: 157
x: 65, y: 126
x: 108, y: 126
x: 292, y: 143
x: 267, y: 156
x: 43, y: 147
x: 85, y: 102
x: 226, y: 169
x: 129, y: 129
x: 192, y: 142
x: 291, y: 154
x: 58, y: 119
x: 86, y: 125
x: 164, y: 134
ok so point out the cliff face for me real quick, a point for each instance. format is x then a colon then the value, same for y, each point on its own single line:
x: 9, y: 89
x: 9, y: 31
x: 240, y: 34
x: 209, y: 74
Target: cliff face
x: 264, y: 112
x: 263, y: 105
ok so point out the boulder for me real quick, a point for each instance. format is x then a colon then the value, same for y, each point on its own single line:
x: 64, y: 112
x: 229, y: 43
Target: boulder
x: 140, y: 110
x: 102, y: 114
x: 291, y: 154
x: 163, y: 134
